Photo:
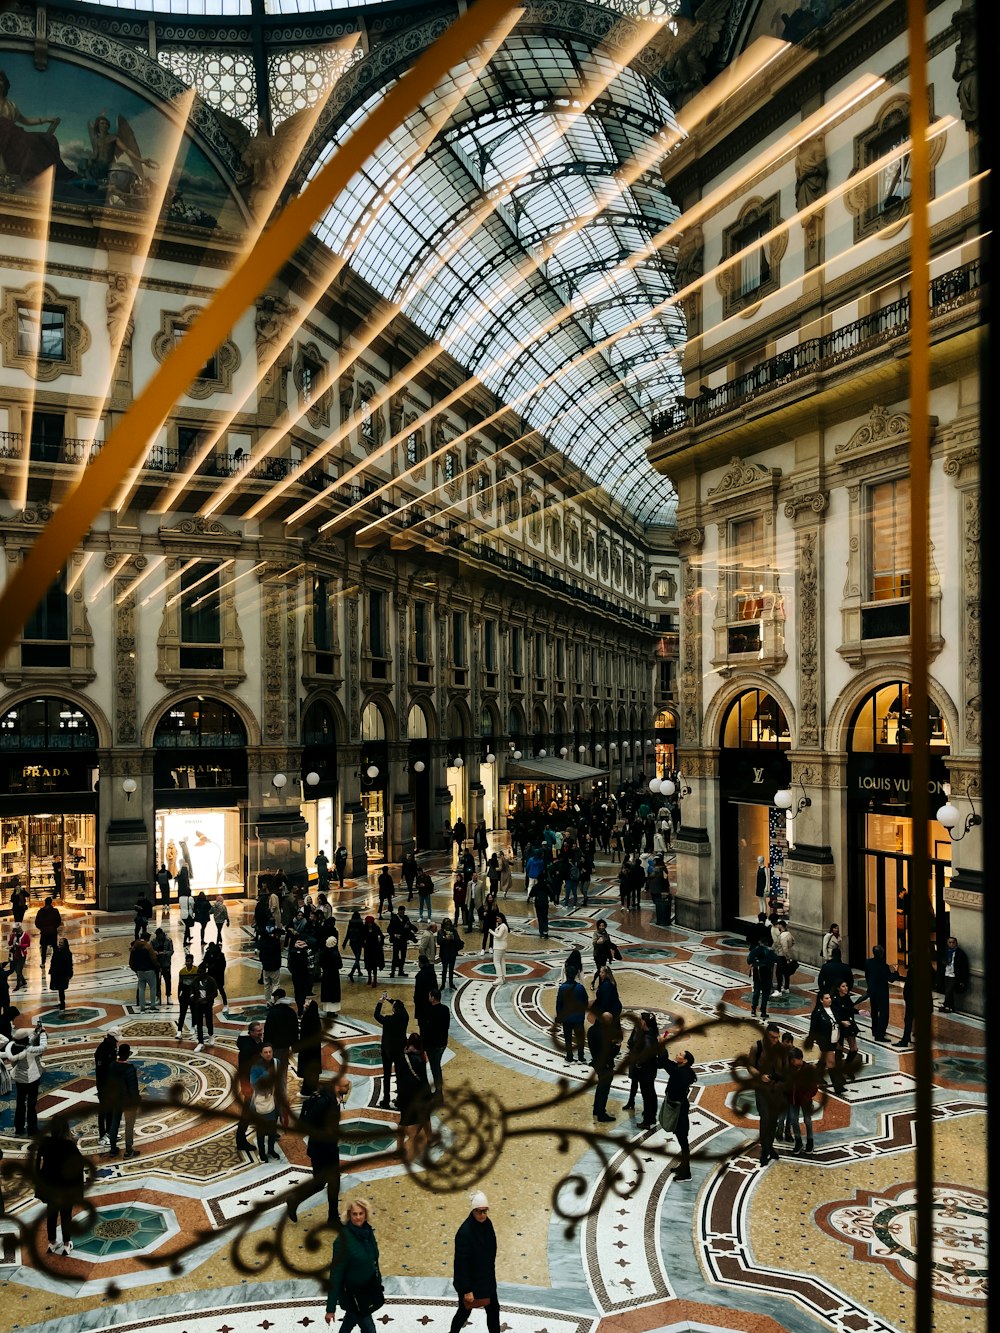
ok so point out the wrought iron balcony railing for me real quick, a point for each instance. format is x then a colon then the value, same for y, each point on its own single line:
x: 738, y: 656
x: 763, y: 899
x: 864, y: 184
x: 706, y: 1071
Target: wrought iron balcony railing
x: 948, y: 292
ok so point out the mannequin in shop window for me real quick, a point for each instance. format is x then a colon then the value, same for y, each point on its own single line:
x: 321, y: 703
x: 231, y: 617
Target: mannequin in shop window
x: 761, y: 889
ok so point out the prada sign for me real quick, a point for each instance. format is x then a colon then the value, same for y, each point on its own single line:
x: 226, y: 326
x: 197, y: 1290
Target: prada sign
x: 59, y: 774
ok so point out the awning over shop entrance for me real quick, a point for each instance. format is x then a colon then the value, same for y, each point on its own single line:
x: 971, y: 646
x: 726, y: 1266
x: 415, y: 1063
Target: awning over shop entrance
x: 551, y: 770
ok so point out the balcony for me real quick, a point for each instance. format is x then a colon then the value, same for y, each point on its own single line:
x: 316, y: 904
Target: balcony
x: 949, y: 292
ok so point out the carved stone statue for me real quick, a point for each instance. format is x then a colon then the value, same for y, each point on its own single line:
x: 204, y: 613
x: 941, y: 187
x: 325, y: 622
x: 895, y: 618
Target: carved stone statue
x: 810, y: 172
x: 268, y: 159
x: 690, y: 256
x: 965, y: 72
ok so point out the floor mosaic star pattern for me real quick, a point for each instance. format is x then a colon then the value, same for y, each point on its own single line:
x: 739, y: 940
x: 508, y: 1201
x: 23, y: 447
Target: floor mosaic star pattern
x: 808, y: 1244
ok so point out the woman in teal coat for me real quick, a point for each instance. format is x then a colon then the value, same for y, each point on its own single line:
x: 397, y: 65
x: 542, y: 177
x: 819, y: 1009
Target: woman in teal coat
x: 354, y: 1274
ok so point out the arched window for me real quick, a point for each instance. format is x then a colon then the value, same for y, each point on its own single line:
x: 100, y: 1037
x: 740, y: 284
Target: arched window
x: 416, y: 724
x: 47, y: 724
x: 755, y: 720
x: 318, y: 725
x: 883, y: 722
x: 372, y: 723
x: 199, y: 723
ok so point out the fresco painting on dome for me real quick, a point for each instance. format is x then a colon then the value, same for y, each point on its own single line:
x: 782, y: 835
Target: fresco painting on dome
x: 107, y: 144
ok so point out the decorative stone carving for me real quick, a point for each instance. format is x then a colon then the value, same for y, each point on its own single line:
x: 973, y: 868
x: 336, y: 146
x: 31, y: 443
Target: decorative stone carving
x: 742, y: 476
x: 273, y: 721
x: 126, y: 695
x: 881, y: 429
x: 272, y: 318
x: 809, y: 622
x: 813, y: 502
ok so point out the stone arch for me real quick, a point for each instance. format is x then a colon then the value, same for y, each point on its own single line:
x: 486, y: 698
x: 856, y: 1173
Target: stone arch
x: 861, y: 685
x: 426, y: 709
x: 250, y: 724
x: 329, y: 700
x: 490, y: 708
x: 458, y: 712
x: 82, y: 701
x: 719, y: 706
x: 386, y: 712
x: 515, y: 711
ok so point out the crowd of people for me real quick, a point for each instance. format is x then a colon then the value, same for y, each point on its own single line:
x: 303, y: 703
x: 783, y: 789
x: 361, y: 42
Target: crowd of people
x: 298, y: 945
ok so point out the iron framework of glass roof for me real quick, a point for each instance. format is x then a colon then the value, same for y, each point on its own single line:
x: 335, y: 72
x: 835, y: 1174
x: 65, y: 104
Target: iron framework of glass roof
x: 520, y: 242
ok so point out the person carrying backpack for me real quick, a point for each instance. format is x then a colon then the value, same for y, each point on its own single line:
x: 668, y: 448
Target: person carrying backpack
x: 761, y: 961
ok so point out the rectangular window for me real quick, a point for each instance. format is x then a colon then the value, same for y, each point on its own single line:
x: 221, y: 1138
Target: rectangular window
x: 887, y: 614
x: 210, y: 370
x: 201, y: 617
x: 458, y: 651
x: 450, y: 468
x: 490, y: 645
x: 376, y: 624
x: 367, y: 423
x: 46, y: 631
x: 560, y: 659
x: 412, y: 449
x: 310, y: 378
x: 595, y: 673
x: 889, y: 536
x: 539, y: 649
x: 748, y: 574
x: 41, y: 333
x: 322, y: 615
x: 516, y: 650
x: 754, y: 268
x: 892, y: 184
x: 421, y: 632
x: 578, y: 663
x: 48, y: 430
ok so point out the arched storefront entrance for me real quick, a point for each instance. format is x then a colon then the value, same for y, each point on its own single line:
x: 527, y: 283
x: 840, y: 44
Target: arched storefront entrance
x: 48, y: 798
x: 418, y: 763
x: 753, y: 765
x: 320, y: 783
x: 880, y: 827
x: 374, y: 778
x: 200, y: 793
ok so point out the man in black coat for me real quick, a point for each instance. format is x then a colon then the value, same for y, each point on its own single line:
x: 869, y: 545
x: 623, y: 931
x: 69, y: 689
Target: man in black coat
x: 435, y: 1029
x: 878, y: 975
x: 953, y: 974
x: 401, y: 933
x: 395, y: 1021
x: 423, y: 983
x: 320, y: 1115
x: 475, y: 1277
x: 281, y: 1033
x: 386, y: 888
x: 833, y: 972
x: 248, y: 1047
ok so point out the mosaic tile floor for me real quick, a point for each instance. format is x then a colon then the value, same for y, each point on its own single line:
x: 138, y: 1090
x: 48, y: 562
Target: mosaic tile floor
x: 809, y: 1243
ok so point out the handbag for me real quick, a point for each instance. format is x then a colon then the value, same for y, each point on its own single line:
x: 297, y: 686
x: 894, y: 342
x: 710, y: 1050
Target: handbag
x: 669, y: 1115
x: 370, y: 1296
x: 263, y: 1102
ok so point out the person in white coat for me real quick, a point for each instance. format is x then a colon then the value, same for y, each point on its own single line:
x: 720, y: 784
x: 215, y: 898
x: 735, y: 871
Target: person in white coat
x: 25, y: 1053
x: 501, y: 936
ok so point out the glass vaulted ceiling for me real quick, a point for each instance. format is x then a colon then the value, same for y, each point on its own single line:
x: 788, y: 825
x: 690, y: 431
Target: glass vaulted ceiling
x: 519, y: 293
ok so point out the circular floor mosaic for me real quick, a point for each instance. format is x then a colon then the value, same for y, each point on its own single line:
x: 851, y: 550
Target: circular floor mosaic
x: 881, y: 1228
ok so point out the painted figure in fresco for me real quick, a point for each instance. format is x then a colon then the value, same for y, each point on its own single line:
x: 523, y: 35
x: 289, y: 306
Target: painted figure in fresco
x: 116, y: 161
x: 23, y: 154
